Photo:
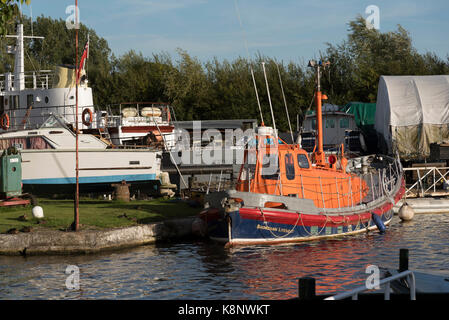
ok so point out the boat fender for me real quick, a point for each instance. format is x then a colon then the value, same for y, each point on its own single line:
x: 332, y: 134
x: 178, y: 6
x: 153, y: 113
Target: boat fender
x: 38, y: 212
x: 378, y: 222
x: 406, y: 212
x: 4, y: 121
x: 87, y: 121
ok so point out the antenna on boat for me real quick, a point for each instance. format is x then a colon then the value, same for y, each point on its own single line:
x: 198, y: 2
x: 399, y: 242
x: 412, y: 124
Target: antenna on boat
x: 19, y: 61
x: 319, y: 153
x: 285, y: 103
x: 31, y: 19
x: 249, y: 60
x: 257, y: 95
x: 269, y: 100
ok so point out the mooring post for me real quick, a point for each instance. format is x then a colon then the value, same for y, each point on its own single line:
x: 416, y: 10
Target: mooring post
x: 306, y: 288
x: 403, y: 260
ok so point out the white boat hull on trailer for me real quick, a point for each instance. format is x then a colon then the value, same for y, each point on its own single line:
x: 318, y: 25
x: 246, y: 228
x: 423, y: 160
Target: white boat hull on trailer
x: 49, y: 160
x: 48, y: 170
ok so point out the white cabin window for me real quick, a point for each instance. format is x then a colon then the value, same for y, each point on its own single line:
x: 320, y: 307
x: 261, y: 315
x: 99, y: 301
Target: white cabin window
x: 25, y: 143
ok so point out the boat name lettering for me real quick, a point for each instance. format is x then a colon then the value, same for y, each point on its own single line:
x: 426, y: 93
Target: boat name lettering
x: 259, y: 226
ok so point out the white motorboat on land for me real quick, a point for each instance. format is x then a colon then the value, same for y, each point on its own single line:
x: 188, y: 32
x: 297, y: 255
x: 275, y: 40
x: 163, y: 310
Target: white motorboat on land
x: 38, y: 116
x: 48, y: 160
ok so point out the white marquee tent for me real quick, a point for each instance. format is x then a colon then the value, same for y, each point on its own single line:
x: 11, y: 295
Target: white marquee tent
x: 411, y: 113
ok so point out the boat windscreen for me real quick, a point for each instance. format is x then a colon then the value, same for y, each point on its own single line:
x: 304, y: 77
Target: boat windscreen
x: 303, y: 162
x: 54, y: 121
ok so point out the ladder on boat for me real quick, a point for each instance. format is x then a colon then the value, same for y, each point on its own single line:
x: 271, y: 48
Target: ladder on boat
x: 104, y: 135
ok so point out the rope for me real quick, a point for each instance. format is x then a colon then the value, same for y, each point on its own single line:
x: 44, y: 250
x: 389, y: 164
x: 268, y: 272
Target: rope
x: 249, y: 60
x: 171, y: 156
x: 257, y: 94
x: 309, y: 233
x: 269, y: 101
x: 328, y: 186
x: 388, y: 217
x: 387, y: 193
x: 328, y: 219
x: 285, y: 103
x: 367, y: 223
x: 274, y: 235
x: 334, y: 222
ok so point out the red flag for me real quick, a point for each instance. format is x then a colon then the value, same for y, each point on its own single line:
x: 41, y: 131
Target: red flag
x: 83, y: 59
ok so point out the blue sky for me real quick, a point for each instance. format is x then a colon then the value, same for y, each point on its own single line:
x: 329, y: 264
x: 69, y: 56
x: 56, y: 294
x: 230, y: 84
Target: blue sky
x: 288, y: 30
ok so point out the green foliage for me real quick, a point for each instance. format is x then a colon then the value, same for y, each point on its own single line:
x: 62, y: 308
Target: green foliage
x: 9, y: 9
x: 357, y: 63
x: 187, y: 87
x: 136, y: 78
x: 224, y: 89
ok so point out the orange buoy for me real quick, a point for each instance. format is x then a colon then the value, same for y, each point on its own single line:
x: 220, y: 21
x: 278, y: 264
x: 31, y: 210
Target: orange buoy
x: 4, y: 121
x: 87, y: 121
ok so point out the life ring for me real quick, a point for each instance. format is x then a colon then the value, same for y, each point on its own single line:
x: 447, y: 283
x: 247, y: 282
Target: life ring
x: 89, y: 121
x: 4, y: 121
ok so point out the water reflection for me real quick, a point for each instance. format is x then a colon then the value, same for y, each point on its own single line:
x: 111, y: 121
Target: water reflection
x: 340, y: 264
x: 334, y: 263
x: 205, y: 270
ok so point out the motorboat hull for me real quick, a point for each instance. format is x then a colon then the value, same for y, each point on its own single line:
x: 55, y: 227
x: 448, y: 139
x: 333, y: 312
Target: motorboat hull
x: 246, y: 221
x: 53, y: 171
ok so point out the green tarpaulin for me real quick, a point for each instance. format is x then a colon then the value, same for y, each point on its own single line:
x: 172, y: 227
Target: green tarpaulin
x: 364, y: 114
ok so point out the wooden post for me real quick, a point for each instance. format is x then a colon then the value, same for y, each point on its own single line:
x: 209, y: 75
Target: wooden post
x: 403, y: 260
x: 306, y: 288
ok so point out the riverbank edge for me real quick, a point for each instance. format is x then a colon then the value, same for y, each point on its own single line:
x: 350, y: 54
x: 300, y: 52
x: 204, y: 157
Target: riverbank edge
x: 53, y: 242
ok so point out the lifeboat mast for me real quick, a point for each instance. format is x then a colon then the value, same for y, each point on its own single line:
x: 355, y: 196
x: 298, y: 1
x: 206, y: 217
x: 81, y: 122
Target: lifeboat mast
x: 319, y: 153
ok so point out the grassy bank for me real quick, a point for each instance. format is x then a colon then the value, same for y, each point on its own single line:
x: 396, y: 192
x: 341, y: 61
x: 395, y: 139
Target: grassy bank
x: 94, y: 214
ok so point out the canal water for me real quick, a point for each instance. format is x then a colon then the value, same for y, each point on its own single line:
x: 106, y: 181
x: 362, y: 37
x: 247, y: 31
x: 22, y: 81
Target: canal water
x: 205, y: 270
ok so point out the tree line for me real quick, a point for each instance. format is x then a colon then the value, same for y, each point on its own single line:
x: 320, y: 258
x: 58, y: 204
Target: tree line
x: 223, y: 89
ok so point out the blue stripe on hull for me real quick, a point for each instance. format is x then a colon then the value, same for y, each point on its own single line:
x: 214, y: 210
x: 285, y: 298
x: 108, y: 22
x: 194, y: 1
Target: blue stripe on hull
x: 98, y: 179
x: 255, y: 230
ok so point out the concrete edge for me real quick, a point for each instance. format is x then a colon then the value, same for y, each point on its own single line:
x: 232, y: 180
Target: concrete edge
x: 49, y: 242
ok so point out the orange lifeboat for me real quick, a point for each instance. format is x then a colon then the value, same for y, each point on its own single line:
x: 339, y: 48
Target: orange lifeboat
x: 282, y: 196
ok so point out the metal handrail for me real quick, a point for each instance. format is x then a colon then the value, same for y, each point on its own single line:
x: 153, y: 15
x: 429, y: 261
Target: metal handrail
x: 430, y: 170
x: 354, y: 293
x: 386, y: 182
x: 41, y: 77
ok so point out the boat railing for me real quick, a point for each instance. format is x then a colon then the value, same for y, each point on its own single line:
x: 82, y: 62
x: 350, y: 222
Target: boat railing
x: 337, y: 192
x: 386, y: 281
x: 41, y: 79
x: 117, y: 118
x: 427, y: 180
x: 35, y: 120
